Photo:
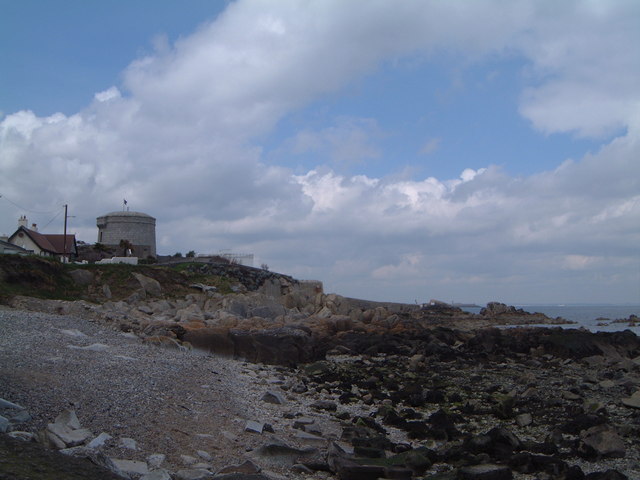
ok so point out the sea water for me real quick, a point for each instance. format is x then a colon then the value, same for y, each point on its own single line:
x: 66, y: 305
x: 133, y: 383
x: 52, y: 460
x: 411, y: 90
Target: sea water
x: 597, y: 318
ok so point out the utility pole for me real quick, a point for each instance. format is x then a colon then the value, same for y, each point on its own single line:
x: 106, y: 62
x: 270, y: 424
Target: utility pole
x: 64, y: 241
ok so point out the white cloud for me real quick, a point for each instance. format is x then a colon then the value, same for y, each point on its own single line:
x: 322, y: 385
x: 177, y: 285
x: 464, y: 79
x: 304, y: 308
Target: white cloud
x: 586, y: 72
x: 108, y: 94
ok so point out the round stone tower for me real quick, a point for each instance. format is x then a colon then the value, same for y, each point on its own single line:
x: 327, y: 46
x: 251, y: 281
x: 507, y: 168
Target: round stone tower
x: 139, y: 229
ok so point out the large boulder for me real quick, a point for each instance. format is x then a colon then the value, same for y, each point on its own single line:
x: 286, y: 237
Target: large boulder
x: 82, y: 277
x: 601, y: 441
x: 151, y: 286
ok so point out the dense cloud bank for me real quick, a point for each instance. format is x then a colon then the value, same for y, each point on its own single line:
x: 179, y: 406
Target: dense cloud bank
x: 183, y: 138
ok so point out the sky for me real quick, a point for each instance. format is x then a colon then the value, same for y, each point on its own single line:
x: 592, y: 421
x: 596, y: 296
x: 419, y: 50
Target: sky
x: 396, y: 151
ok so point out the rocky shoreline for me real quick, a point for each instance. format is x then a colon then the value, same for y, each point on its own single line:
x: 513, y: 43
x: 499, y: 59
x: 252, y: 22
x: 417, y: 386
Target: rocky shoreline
x: 287, y: 382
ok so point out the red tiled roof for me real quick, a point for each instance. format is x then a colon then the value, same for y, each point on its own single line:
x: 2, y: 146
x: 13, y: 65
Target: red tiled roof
x: 57, y: 240
x: 51, y: 242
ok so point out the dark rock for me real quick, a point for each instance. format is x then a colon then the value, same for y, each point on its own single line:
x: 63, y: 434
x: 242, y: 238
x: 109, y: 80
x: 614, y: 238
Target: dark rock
x: 247, y: 467
x: 451, y: 475
x: 582, y: 422
x: 399, y: 473
x: 278, y: 449
x: 273, y: 397
x: 369, y: 452
x: 504, y: 404
x: 21, y: 460
x: 325, y: 405
x: 444, y: 425
x: 390, y: 417
x: 485, y: 472
x: 240, y: 476
x: 347, y: 470
x: 216, y: 340
x: 299, y: 388
x: 499, y: 443
x: 417, y: 429
x: 600, y: 441
x: 281, y: 346
x: 455, y: 397
x: 373, y: 442
x: 434, y: 396
x: 608, y: 475
x: 495, y: 308
x: 544, y: 448
x: 418, y: 460
x: 369, y: 423
x: 525, y: 462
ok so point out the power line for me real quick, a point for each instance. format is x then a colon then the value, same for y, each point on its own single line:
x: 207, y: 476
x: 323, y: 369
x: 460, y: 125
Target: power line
x: 26, y: 209
x: 56, y: 216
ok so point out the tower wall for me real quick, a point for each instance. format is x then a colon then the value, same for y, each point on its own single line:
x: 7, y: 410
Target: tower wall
x: 138, y: 228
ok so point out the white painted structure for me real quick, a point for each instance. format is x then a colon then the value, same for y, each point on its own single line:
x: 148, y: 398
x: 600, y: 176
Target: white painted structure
x: 127, y: 260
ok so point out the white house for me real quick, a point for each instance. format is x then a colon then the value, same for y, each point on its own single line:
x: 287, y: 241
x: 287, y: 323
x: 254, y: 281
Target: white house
x: 44, y: 244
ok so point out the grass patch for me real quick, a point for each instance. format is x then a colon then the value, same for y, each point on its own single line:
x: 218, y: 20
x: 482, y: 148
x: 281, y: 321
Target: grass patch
x: 49, y: 279
x: 37, y: 277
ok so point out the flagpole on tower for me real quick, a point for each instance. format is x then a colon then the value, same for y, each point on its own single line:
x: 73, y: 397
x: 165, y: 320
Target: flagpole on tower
x: 124, y: 204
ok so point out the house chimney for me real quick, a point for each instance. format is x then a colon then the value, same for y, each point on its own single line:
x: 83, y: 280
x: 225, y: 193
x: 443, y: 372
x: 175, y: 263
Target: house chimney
x: 34, y: 227
x: 22, y: 221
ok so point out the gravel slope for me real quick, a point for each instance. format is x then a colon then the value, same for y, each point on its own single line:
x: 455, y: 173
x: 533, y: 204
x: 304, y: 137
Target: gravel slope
x: 169, y: 401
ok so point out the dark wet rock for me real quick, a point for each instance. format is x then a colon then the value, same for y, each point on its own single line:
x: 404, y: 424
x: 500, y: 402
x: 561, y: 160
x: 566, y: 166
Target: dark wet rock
x: 349, y: 470
x: 417, y: 429
x: 418, y: 460
x: 582, y: 422
x: 451, y: 475
x: 443, y: 425
x: 369, y: 452
x: 21, y: 460
x: 434, y: 396
x: 499, y: 443
x: 325, y: 405
x: 608, y: 475
x: 526, y: 462
x: 390, y: 417
x: 485, y: 472
x: 239, y: 476
x: 504, y: 404
x: 319, y: 369
x: 282, y: 346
